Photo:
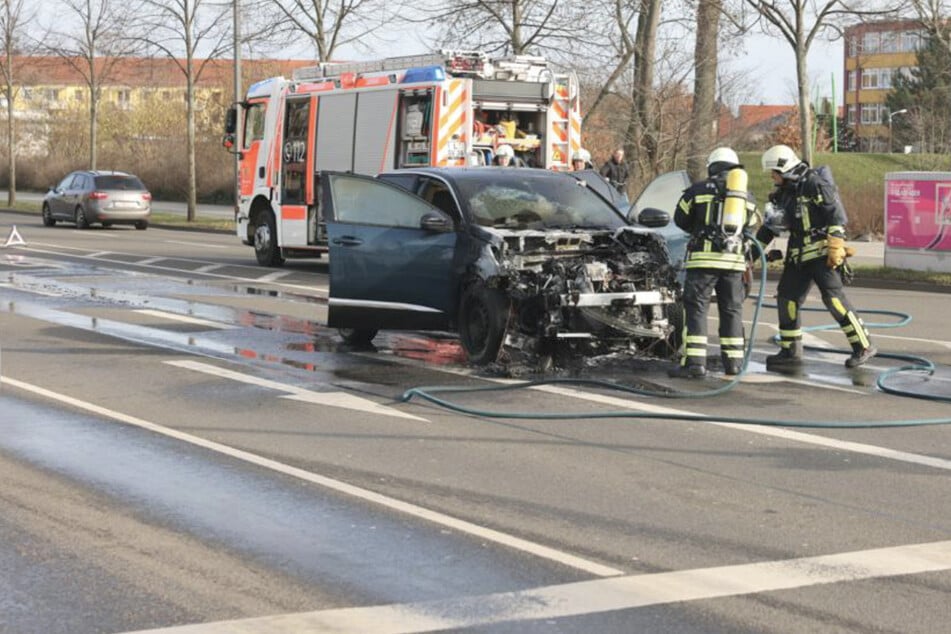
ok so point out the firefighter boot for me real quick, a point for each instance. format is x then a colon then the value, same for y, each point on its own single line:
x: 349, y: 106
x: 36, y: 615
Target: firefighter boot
x: 787, y: 358
x: 860, y: 356
x: 687, y: 371
x: 731, y: 367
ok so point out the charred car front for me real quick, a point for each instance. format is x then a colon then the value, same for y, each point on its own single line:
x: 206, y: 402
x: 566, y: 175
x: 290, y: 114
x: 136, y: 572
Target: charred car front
x: 517, y: 261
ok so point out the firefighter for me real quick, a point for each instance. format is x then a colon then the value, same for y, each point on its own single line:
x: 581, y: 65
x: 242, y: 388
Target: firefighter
x: 715, y: 212
x: 505, y: 156
x: 581, y: 160
x: 815, y: 253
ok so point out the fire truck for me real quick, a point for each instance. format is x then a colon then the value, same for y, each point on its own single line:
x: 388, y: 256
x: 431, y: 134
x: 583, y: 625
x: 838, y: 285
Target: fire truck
x: 451, y: 108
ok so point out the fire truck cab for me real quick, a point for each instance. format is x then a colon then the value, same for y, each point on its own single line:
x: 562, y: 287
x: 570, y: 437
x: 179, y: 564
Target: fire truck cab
x: 452, y: 108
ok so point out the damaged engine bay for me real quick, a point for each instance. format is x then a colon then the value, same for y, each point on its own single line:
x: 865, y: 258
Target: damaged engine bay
x: 578, y: 294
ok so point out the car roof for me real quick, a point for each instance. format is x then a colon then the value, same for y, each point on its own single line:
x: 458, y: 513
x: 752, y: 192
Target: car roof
x: 468, y: 174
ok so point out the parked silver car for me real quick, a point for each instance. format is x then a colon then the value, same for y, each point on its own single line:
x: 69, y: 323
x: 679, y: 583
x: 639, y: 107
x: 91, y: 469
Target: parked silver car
x: 94, y: 196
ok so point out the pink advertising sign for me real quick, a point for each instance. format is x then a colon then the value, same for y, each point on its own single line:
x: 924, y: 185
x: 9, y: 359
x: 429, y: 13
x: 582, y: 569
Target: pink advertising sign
x: 918, y: 214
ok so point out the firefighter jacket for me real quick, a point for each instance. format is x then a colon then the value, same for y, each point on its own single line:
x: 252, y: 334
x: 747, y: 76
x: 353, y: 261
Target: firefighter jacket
x: 699, y: 214
x: 810, y: 215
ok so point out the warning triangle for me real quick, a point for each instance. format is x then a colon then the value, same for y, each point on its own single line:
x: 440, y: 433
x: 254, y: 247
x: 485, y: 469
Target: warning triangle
x: 14, y: 238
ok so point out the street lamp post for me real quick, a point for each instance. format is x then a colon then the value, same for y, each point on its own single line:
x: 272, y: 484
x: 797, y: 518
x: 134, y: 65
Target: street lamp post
x: 891, y: 115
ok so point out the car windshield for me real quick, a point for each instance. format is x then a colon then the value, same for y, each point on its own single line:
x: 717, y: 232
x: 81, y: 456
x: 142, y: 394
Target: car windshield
x: 524, y: 199
x: 120, y: 183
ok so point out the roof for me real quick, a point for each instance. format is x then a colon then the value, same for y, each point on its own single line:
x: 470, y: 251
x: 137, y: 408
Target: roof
x: 134, y: 72
x: 754, y: 117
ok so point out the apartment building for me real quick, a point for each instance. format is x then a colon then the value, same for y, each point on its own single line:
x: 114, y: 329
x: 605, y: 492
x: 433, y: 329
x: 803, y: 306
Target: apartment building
x: 875, y: 53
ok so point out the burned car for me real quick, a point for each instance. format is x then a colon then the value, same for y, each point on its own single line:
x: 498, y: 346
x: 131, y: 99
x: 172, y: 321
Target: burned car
x: 517, y: 261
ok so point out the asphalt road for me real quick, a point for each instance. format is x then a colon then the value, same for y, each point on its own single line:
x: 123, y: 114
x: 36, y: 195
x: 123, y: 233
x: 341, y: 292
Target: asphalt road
x: 185, y: 444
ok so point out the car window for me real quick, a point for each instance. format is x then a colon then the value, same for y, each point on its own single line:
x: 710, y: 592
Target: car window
x: 372, y: 202
x: 64, y: 184
x: 537, y: 202
x: 254, y: 123
x: 662, y: 193
x: 119, y: 182
x: 406, y: 181
x: 77, y: 182
x: 438, y: 194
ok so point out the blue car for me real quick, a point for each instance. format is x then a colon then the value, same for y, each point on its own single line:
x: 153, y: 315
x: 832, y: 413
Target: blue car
x: 517, y: 261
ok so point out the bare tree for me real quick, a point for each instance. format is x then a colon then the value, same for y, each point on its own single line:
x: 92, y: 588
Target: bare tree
x: 704, y: 109
x: 800, y: 22
x: 331, y: 24
x: 182, y: 30
x: 641, y: 134
x: 94, y: 49
x: 514, y: 27
x: 13, y: 22
x: 934, y: 18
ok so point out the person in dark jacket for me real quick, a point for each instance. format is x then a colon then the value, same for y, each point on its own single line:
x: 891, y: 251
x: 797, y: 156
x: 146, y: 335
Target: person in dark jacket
x: 715, y: 212
x: 615, y: 170
x: 815, y: 253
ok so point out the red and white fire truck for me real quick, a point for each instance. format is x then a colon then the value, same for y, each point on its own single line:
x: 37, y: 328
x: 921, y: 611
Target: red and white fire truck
x: 452, y: 108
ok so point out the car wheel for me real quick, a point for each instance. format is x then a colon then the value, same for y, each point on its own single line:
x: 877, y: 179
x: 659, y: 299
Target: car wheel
x: 141, y: 225
x: 80, y: 217
x: 483, y: 313
x: 265, y: 240
x: 357, y: 336
x: 48, y: 219
x: 107, y: 224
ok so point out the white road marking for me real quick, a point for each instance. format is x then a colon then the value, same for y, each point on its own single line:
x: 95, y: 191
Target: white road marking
x: 779, y: 432
x: 183, y: 318
x: 208, y: 268
x: 930, y: 342
x: 333, y: 399
x: 148, y: 261
x: 276, y: 275
x: 203, y: 245
x: 597, y: 596
x: 316, y: 290
x: 480, y: 532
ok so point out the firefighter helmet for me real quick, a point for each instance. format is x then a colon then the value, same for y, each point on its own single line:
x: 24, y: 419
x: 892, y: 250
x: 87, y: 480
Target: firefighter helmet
x: 582, y: 155
x: 505, y: 150
x: 723, y: 155
x: 780, y: 158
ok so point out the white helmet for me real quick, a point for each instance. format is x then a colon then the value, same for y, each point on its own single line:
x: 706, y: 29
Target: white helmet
x: 505, y: 150
x: 780, y: 158
x: 582, y: 155
x: 723, y: 155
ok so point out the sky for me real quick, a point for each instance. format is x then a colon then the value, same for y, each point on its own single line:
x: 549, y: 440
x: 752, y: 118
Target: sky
x: 771, y: 68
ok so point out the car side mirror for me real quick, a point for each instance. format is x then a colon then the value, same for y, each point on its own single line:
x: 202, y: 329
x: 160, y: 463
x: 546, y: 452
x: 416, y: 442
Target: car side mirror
x: 651, y: 217
x: 435, y: 223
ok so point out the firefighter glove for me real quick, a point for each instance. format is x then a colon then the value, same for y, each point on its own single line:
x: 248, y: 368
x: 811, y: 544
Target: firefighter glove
x: 837, y: 252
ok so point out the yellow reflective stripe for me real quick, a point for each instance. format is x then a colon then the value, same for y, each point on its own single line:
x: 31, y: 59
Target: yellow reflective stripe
x: 714, y: 264
x: 702, y: 340
x: 696, y: 352
x: 833, y: 229
x: 791, y: 334
x: 860, y: 332
x: 703, y: 198
x: 731, y: 341
x: 733, y: 354
x: 791, y: 309
x: 837, y: 306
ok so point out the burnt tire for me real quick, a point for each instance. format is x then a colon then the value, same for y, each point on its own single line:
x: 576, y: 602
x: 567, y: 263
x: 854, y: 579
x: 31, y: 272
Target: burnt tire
x: 79, y: 217
x: 48, y: 219
x: 483, y: 313
x: 265, y: 240
x: 357, y: 336
x: 141, y: 225
x: 675, y: 316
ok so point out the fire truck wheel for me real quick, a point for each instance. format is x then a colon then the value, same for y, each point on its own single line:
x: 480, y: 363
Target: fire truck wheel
x: 357, y: 336
x: 265, y: 240
x: 483, y: 313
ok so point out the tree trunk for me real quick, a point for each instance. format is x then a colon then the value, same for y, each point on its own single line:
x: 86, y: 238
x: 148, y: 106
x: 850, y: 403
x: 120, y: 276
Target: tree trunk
x: 703, y: 130
x: 190, y: 142
x: 93, y: 113
x: 805, y: 109
x: 11, y: 135
x: 640, y: 141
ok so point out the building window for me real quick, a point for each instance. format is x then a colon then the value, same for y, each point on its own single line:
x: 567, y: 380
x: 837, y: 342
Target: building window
x: 871, y: 43
x: 79, y: 95
x: 890, y: 42
x: 851, y: 80
x: 853, y: 46
x: 850, y: 115
x: 871, y: 113
x: 870, y: 78
x: 910, y: 41
x: 124, y: 98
